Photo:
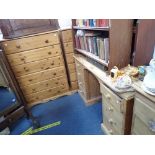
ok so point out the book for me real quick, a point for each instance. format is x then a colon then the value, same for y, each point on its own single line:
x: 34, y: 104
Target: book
x: 95, y: 46
x: 92, y: 22
x: 106, y: 48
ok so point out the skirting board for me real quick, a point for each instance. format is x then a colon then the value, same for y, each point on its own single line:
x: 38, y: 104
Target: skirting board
x: 53, y: 98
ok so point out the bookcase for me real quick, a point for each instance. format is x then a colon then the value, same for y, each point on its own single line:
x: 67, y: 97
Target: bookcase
x: 144, y: 42
x: 116, y: 36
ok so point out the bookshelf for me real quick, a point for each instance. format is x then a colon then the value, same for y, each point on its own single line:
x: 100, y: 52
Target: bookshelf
x: 119, y: 33
x: 92, y: 56
x: 91, y: 28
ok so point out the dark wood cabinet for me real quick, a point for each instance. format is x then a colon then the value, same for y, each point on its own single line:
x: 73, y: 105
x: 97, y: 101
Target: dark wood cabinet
x: 13, y: 28
x: 144, y: 42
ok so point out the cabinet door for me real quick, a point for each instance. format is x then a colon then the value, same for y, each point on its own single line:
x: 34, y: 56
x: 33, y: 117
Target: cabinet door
x: 145, y: 42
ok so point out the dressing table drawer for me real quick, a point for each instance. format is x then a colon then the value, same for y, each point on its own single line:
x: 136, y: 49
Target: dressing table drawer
x: 112, y: 98
x: 144, y: 116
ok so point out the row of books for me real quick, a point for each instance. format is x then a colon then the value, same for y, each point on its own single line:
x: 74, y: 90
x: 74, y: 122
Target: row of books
x: 92, y: 22
x: 95, y: 44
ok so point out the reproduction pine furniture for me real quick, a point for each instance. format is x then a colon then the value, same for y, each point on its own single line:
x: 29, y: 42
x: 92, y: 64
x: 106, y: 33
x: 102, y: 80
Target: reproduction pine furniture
x: 38, y: 65
x: 117, y: 107
x: 144, y: 112
x: 67, y: 44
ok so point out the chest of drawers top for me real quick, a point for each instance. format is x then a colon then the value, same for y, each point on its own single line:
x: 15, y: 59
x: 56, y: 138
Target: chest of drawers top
x: 30, y: 42
x: 137, y: 86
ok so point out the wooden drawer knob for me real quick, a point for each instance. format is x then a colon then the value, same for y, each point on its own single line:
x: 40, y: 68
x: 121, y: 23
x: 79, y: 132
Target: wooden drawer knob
x: 110, y: 109
x: 118, y: 102
x: 108, y: 96
x: 46, y: 41
x: 18, y: 46
x: 110, y: 121
x: 5, y: 45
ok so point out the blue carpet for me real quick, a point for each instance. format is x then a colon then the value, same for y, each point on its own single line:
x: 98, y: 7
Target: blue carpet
x: 75, y: 117
x: 7, y: 98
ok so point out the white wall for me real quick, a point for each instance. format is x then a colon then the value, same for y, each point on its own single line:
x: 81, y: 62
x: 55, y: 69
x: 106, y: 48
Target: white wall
x: 65, y: 23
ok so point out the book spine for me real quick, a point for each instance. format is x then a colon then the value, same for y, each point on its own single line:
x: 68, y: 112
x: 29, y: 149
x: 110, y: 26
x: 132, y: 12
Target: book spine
x: 95, y: 45
x: 106, y: 48
x: 98, y: 46
x: 89, y: 42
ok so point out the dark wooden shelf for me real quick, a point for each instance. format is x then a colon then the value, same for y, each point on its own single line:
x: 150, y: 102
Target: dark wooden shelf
x: 91, y: 28
x: 92, y: 56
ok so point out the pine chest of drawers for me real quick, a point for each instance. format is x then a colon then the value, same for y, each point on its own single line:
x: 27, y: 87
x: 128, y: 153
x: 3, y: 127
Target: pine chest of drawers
x: 117, y: 112
x: 38, y: 65
x: 67, y: 42
x: 144, y: 112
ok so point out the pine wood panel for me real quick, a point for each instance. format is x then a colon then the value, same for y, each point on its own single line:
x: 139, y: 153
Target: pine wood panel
x: 45, y: 94
x: 67, y: 35
x: 73, y: 77
x: 37, y: 66
x: 68, y: 47
x: 72, y: 68
x: 34, y: 55
x: 140, y: 128
x: 44, y: 85
x: 28, y: 43
x: 74, y: 85
x: 92, y: 85
x: 41, y: 76
x: 70, y: 58
x: 143, y: 114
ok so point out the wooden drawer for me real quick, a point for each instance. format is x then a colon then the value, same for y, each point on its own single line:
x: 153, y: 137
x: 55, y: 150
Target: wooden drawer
x: 144, y: 114
x: 44, y: 85
x: 73, y: 77
x: 114, y: 118
x: 41, y: 76
x: 113, y: 99
x: 68, y: 47
x: 34, y: 55
x: 31, y: 42
x: 46, y: 94
x: 74, y: 85
x: 71, y: 68
x: 70, y: 58
x: 67, y: 35
x: 36, y: 66
x: 109, y: 127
